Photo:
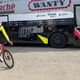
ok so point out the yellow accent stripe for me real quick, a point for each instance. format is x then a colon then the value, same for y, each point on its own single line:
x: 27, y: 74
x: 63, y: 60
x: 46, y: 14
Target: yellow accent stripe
x: 44, y: 39
x: 4, y: 33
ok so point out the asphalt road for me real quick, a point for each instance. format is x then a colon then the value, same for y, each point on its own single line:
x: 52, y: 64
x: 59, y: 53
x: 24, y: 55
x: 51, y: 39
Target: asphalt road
x: 42, y: 63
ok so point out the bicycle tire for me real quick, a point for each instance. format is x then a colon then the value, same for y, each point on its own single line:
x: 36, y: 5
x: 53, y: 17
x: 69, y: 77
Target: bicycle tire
x: 10, y: 58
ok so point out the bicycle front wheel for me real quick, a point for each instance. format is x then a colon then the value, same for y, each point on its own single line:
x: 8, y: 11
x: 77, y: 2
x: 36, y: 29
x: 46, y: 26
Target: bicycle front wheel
x: 8, y: 59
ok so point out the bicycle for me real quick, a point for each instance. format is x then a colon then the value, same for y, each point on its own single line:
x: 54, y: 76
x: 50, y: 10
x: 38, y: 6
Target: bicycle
x: 7, y: 57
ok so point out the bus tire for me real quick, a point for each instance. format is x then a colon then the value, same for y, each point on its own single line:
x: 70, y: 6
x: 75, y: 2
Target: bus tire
x: 57, y: 40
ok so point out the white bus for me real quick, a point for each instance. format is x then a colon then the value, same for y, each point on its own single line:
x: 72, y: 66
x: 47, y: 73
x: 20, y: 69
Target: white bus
x: 50, y: 22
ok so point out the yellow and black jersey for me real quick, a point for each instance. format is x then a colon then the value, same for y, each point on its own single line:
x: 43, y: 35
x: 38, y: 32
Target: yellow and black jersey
x: 4, y: 33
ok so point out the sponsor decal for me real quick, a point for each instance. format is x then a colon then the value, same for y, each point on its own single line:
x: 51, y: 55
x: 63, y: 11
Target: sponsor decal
x: 48, y: 4
x: 7, y: 7
x: 53, y: 15
x: 40, y: 15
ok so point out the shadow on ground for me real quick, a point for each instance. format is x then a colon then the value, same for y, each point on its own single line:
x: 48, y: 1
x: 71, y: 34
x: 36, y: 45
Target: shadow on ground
x: 40, y: 48
x: 2, y: 68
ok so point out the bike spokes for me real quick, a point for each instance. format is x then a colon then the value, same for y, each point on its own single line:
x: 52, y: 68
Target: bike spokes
x: 8, y: 59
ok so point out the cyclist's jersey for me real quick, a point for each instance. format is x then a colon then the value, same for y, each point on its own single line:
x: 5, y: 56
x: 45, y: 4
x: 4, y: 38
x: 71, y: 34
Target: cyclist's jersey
x: 4, y: 33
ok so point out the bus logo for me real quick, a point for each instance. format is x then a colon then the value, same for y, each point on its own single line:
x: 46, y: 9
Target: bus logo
x: 48, y: 4
x: 7, y: 8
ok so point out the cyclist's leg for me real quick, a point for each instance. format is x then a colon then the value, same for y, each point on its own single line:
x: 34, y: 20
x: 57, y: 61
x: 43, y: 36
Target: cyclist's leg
x: 1, y: 51
x: 0, y: 48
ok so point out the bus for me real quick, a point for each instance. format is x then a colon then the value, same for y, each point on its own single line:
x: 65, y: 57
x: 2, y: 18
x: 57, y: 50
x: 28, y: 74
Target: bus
x: 42, y: 22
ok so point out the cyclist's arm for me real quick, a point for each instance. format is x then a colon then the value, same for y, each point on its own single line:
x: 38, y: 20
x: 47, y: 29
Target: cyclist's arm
x: 4, y: 33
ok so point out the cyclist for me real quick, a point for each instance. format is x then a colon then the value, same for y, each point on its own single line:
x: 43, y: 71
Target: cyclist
x: 7, y: 38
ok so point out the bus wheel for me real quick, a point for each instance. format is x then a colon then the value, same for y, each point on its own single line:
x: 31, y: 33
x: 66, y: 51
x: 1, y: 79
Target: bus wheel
x: 57, y: 40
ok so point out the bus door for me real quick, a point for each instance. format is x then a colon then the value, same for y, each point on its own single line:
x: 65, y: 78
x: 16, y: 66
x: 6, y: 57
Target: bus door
x: 77, y: 15
x: 77, y: 20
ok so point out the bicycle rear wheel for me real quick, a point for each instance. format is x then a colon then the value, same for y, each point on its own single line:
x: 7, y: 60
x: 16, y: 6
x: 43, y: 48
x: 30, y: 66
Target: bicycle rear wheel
x: 8, y: 59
